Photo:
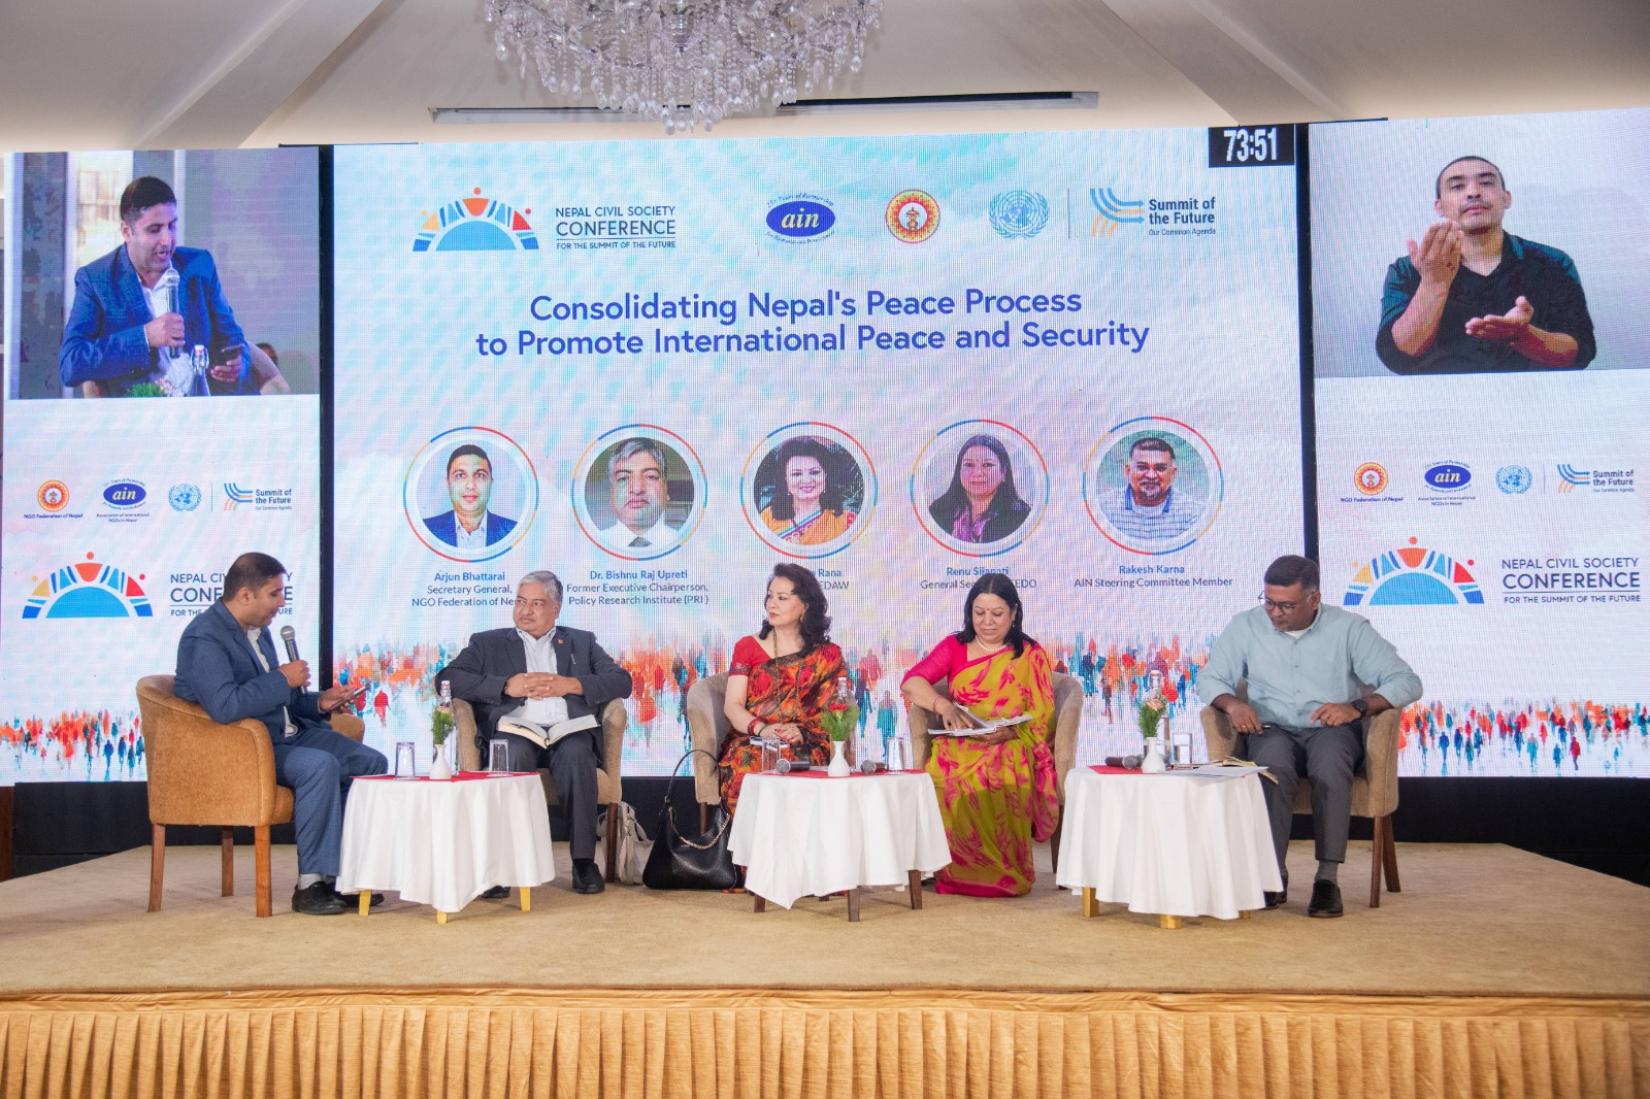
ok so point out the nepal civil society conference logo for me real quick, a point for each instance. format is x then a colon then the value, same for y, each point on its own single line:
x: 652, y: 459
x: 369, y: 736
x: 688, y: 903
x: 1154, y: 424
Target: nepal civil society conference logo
x: 1019, y: 214
x: 801, y: 219
x: 476, y: 223
x: 1412, y: 575
x: 87, y: 589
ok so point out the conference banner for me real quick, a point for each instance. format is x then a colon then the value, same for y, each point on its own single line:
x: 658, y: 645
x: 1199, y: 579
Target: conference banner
x: 133, y: 477
x: 659, y: 368
x: 1482, y: 362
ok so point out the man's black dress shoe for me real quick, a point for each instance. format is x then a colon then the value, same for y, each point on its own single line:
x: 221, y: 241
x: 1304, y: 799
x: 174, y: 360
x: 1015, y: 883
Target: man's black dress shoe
x: 353, y: 900
x: 1326, y: 900
x: 319, y: 899
x: 496, y: 893
x: 586, y: 878
x: 1275, y: 900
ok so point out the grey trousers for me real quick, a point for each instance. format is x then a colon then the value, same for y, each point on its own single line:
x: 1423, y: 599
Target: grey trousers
x: 572, y: 762
x: 1328, y: 755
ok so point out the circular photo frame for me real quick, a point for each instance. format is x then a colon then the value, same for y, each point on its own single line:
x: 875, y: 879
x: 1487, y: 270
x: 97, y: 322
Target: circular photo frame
x: 639, y: 492
x: 808, y: 490
x: 974, y: 460
x: 1153, y: 485
x: 470, y: 494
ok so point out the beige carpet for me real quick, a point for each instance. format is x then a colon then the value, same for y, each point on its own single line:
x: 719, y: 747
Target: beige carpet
x: 1473, y: 920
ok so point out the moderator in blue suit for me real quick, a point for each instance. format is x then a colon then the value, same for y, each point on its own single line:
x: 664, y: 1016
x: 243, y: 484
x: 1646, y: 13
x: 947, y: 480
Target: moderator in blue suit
x: 113, y: 337
x: 227, y: 664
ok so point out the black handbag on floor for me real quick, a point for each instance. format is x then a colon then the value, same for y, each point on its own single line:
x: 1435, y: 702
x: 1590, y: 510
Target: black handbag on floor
x: 681, y: 861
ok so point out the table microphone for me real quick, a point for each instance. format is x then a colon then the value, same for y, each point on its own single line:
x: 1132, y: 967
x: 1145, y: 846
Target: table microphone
x: 290, y: 636
x: 1132, y: 763
x: 786, y: 766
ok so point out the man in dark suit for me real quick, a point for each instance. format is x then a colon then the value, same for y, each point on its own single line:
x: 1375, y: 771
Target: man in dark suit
x: 550, y: 677
x: 470, y: 525
x: 227, y: 664
x: 140, y: 309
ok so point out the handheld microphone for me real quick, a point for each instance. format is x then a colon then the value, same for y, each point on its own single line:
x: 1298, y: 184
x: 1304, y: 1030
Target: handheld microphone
x: 290, y: 636
x: 168, y: 285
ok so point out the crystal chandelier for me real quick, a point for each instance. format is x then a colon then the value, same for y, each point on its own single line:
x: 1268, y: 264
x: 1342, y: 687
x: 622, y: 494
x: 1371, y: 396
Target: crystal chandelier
x: 713, y: 57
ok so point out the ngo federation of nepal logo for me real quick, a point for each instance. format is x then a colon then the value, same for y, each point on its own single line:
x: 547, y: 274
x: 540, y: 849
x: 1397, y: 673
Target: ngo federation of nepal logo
x: 1019, y: 214
x: 52, y: 496
x: 801, y: 219
x: 912, y: 216
x: 87, y: 589
x: 475, y: 223
x: 1413, y: 575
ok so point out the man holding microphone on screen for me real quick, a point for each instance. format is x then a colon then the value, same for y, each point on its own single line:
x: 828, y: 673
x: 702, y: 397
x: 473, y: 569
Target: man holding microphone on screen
x: 140, y: 310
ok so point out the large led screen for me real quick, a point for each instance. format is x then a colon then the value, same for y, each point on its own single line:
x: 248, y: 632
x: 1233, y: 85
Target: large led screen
x: 1481, y: 348
x: 888, y: 317
x: 132, y: 478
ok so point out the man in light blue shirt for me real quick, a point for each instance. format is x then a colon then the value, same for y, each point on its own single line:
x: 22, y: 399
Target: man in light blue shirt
x: 1150, y: 509
x: 1313, y: 674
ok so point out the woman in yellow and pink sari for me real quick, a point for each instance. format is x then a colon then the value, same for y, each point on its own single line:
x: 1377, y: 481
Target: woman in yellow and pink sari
x: 997, y: 791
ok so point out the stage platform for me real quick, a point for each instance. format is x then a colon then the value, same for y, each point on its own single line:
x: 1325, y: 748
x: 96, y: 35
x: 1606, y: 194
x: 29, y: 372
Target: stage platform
x: 1495, y: 972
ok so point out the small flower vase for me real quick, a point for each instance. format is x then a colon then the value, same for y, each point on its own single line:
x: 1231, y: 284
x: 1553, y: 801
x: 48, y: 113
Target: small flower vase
x: 1153, y: 763
x: 839, y: 763
x: 439, y: 771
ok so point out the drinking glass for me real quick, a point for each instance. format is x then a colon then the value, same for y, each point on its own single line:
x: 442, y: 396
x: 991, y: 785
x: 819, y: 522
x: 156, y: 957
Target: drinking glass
x: 405, y: 765
x: 498, y: 755
x: 894, y: 750
x: 1182, y: 745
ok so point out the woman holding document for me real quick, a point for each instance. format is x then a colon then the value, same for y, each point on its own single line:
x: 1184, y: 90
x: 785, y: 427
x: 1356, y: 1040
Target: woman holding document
x: 780, y: 680
x: 991, y: 763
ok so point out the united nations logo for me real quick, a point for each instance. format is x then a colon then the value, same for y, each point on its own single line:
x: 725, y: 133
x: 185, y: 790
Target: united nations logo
x: 912, y: 216
x: 1019, y: 214
x: 184, y: 497
x: 1513, y: 480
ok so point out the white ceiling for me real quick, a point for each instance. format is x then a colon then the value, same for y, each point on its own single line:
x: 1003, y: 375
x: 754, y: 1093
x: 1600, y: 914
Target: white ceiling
x: 80, y: 74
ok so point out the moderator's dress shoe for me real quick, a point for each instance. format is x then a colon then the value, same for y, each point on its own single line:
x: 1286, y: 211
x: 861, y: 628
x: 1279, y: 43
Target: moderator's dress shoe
x: 319, y: 899
x: 1275, y: 900
x: 353, y: 900
x: 586, y: 878
x: 496, y: 893
x: 1326, y: 899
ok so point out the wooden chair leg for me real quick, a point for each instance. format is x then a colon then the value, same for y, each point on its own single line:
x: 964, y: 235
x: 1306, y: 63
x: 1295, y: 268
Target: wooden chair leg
x: 914, y: 886
x: 1377, y: 841
x: 1054, y: 846
x: 261, y: 886
x: 228, y: 842
x: 1389, y: 856
x: 853, y: 906
x: 613, y: 842
x: 157, y: 864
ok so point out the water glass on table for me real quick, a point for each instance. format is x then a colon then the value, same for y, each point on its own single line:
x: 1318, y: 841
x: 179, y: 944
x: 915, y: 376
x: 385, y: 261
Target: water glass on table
x: 498, y: 756
x: 406, y: 765
x: 1182, y: 747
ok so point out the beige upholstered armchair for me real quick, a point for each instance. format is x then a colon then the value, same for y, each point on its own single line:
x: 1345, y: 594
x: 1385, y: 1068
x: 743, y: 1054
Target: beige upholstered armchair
x: 1374, y: 785
x: 709, y: 726
x: 1062, y: 735
x: 204, y: 773
x: 609, y: 790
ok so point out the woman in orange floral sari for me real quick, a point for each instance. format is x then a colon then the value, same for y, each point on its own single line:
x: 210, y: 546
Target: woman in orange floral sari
x: 780, y: 680
x: 998, y: 791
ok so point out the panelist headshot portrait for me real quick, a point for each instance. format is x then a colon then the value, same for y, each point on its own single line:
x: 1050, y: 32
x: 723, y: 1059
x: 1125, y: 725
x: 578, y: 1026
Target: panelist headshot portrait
x: 1472, y: 298
x: 809, y: 491
x: 982, y: 503
x: 471, y: 524
x: 641, y: 495
x: 1153, y: 485
x: 470, y: 494
x: 140, y: 309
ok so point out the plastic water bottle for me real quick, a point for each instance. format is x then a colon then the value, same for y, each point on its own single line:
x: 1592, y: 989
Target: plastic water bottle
x: 201, y: 363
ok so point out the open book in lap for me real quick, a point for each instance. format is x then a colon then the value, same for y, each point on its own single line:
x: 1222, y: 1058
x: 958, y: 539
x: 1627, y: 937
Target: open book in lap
x: 977, y: 725
x: 544, y: 735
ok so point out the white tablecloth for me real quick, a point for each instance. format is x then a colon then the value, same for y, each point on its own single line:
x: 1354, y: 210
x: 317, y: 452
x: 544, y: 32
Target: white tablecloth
x: 807, y: 835
x: 444, y: 843
x: 1172, y: 844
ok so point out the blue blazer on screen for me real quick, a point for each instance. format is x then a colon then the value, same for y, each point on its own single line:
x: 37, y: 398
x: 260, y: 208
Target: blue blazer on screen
x: 103, y: 339
x: 445, y: 527
x: 216, y: 668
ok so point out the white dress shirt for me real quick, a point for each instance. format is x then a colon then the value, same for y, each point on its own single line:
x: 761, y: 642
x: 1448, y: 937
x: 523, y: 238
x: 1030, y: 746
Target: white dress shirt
x: 541, y: 658
x: 622, y: 538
